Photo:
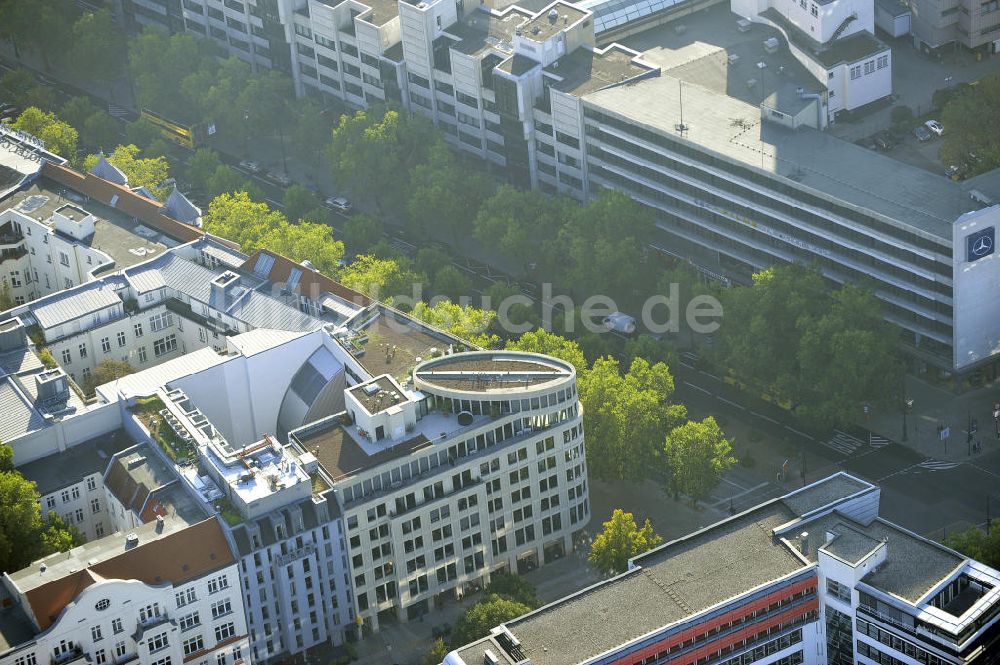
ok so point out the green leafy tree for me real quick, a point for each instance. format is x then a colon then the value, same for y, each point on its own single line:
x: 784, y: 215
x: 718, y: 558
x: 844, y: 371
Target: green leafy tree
x: 372, y: 149
x: 97, y: 49
x: 59, y: 137
x: 542, y: 341
x: 763, y: 327
x: 305, y: 241
x: 452, y: 283
x: 977, y: 544
x: 107, y: 371
x: 605, y: 245
x: 227, y: 180
x: 24, y: 90
x: 379, y: 278
x: 970, y: 120
x: 621, y: 540
x: 362, y: 232
x: 142, y: 133
x: 40, y: 25
x: 626, y: 417
x: 311, y: 131
x: 523, y: 226
x: 650, y: 349
x: 513, y: 586
x: 463, y: 321
x: 443, y: 196
x: 159, y: 63
x: 849, y: 356
x: 437, y: 653
x: 513, y: 316
x: 255, y: 226
x: 697, y: 453
x: 266, y: 97
x: 101, y: 130
x: 24, y: 535
x: 148, y: 172
x: 6, y: 301
x: 77, y: 110
x: 201, y: 167
x: 298, y: 202
x: 485, y: 615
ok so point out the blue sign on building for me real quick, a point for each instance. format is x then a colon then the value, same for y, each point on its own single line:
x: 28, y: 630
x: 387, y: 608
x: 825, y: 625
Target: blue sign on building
x: 979, y: 244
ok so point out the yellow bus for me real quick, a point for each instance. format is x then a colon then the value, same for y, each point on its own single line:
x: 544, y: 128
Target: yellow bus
x: 189, y: 136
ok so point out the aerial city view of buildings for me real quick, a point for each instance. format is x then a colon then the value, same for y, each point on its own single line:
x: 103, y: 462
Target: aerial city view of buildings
x: 253, y: 459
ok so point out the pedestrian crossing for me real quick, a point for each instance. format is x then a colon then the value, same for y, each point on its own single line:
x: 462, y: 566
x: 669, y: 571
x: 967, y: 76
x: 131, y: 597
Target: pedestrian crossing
x: 876, y: 441
x: 116, y: 111
x: 937, y: 465
x: 843, y: 443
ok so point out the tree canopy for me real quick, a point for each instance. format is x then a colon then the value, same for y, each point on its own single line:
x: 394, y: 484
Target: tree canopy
x: 977, y: 544
x: 621, y: 540
x: 97, y: 48
x: 463, y: 321
x: 696, y: 454
x: 25, y: 535
x: 792, y: 338
x: 626, y: 417
x: 255, y: 226
x: 107, y: 370
x: 482, y: 617
x: 971, y: 117
x: 379, y: 278
x: 543, y: 341
x: 148, y: 172
x: 59, y: 136
x: 513, y: 586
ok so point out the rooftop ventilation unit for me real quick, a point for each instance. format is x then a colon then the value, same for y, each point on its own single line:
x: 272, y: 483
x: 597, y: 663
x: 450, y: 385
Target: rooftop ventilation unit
x: 370, y: 389
x: 52, y: 386
x: 131, y: 540
x: 490, y: 658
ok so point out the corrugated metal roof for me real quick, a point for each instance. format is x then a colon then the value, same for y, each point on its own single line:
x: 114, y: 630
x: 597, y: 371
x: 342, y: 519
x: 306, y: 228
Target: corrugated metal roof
x: 19, y: 417
x: 262, y: 339
x: 263, y: 311
x: 227, y: 256
x: 72, y: 304
x: 149, y: 380
x: 177, y: 273
x: 147, y: 280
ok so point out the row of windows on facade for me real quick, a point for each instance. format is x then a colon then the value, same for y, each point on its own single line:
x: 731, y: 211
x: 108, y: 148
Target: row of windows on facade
x: 869, y: 67
x: 733, y: 173
x: 387, y: 479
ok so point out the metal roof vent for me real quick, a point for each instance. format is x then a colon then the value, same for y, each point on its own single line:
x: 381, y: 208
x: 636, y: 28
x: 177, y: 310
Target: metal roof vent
x: 553, y: 14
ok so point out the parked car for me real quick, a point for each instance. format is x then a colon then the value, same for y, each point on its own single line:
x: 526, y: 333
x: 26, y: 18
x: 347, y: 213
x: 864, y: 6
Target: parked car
x: 883, y: 141
x: 250, y: 165
x: 935, y: 127
x: 952, y: 172
x: 339, y: 203
x: 922, y: 133
x: 620, y: 322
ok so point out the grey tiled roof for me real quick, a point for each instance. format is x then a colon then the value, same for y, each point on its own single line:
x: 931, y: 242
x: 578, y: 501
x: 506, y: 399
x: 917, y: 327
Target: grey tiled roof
x: 107, y: 171
x: 180, y: 208
x: 19, y: 416
x: 69, y: 305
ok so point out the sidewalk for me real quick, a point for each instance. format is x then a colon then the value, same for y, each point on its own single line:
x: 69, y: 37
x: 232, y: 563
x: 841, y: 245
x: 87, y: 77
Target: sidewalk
x: 933, y: 407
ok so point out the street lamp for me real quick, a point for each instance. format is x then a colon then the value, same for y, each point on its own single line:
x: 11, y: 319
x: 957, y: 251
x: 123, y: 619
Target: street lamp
x: 907, y: 405
x: 246, y: 130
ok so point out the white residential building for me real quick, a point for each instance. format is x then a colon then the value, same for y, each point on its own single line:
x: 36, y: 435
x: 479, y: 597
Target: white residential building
x: 165, y: 593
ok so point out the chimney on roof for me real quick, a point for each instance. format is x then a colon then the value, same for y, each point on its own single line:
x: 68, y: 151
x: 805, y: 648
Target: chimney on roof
x: 159, y: 523
x: 222, y: 288
x: 131, y: 540
x: 13, y: 335
x: 804, y: 542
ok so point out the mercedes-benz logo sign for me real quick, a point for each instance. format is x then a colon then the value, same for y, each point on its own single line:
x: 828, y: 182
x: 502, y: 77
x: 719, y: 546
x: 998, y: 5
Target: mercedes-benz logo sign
x: 982, y: 246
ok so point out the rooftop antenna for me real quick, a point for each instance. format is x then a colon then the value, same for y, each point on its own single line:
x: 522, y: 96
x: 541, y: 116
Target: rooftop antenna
x: 681, y: 127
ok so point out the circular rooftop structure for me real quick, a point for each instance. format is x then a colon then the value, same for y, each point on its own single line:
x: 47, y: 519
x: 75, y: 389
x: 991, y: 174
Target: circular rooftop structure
x: 501, y: 373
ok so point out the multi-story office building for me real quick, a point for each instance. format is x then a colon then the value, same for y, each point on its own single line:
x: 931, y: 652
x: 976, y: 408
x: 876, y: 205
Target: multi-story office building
x: 717, y: 131
x: 166, y: 592
x: 363, y: 466
x: 473, y: 464
x: 974, y: 25
x: 813, y: 577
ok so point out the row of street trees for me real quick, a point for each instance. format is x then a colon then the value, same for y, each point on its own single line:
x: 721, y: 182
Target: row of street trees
x: 822, y: 353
